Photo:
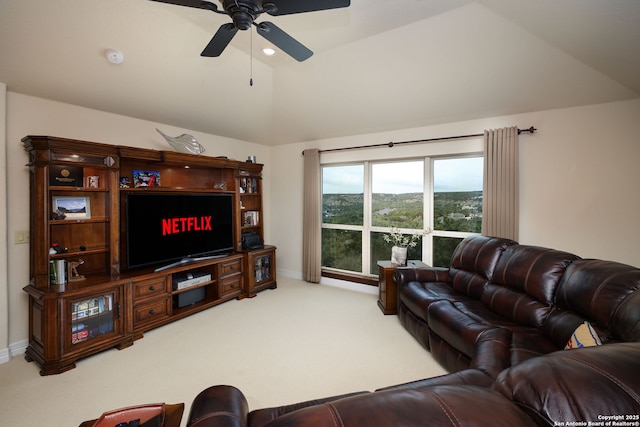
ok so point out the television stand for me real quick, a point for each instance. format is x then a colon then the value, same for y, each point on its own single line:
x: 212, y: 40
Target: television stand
x: 188, y: 260
x: 114, y: 305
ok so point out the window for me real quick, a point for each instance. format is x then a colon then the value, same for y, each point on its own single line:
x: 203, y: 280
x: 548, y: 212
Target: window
x: 397, y: 200
x: 361, y: 202
x: 342, y: 216
x: 457, y: 204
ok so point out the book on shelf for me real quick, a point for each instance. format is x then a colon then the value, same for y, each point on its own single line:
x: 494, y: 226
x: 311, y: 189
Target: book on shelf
x: 251, y: 218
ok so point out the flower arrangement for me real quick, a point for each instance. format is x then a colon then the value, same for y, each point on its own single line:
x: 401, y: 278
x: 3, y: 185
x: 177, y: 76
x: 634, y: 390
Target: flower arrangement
x: 404, y: 240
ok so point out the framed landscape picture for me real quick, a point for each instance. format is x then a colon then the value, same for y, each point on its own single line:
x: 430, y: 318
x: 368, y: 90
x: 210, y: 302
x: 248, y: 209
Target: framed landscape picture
x: 72, y: 207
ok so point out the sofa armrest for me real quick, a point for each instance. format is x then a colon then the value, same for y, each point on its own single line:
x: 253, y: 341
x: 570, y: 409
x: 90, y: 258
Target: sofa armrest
x: 403, y: 275
x: 219, y: 406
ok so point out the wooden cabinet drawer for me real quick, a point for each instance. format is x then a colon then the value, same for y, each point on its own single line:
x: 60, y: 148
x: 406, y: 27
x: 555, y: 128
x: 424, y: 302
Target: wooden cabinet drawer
x: 230, y: 267
x: 150, y: 287
x: 151, y: 311
x: 230, y: 285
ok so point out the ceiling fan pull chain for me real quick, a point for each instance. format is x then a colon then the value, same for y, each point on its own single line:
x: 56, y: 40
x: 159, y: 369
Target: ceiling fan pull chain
x: 251, y: 58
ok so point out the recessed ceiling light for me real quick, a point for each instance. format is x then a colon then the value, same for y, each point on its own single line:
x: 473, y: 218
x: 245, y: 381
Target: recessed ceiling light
x: 114, y: 56
x: 269, y: 51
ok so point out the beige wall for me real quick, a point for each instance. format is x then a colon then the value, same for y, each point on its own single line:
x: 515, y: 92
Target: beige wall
x: 27, y: 115
x: 579, y: 178
x: 4, y: 290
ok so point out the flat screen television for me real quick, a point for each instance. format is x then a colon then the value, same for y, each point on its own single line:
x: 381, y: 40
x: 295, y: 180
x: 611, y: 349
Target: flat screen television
x: 175, y: 228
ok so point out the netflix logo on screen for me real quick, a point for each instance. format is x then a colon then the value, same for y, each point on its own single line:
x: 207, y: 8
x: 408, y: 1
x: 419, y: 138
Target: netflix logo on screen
x: 186, y: 224
x: 166, y: 227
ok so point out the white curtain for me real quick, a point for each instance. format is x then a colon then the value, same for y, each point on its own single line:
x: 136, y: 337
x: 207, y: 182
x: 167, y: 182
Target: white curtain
x: 311, y: 218
x: 500, y: 207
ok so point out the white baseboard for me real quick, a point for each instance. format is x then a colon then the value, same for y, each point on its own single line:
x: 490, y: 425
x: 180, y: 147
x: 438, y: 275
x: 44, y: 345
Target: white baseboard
x: 367, y: 289
x: 352, y: 286
x: 15, y: 349
x: 289, y: 273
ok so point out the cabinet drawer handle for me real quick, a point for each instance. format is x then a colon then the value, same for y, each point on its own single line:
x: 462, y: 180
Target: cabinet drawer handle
x: 152, y: 311
x: 152, y: 288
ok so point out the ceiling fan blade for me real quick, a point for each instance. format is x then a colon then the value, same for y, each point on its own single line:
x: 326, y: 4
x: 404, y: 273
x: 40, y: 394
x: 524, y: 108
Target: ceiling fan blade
x: 220, y: 40
x: 284, y: 41
x: 199, y: 4
x: 288, y: 7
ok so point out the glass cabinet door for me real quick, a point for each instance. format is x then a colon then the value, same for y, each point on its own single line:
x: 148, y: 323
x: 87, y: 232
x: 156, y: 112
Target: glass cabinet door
x: 92, y: 318
x: 262, y: 268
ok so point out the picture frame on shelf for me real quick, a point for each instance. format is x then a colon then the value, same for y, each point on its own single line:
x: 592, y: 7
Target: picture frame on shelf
x: 125, y: 182
x: 65, y: 176
x: 146, y: 178
x: 72, y: 207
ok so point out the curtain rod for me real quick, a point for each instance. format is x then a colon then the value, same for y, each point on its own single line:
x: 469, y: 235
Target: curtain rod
x: 392, y: 144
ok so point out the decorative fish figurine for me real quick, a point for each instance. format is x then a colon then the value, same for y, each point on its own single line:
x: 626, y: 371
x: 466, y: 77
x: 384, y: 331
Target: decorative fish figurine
x: 184, y: 143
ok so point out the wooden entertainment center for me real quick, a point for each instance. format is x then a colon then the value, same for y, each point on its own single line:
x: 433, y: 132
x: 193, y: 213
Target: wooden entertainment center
x: 96, y: 302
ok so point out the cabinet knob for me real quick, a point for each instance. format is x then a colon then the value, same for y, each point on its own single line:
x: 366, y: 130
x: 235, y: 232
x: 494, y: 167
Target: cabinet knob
x: 152, y: 288
x: 152, y: 311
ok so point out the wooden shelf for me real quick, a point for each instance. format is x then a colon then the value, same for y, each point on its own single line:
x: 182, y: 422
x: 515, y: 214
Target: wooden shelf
x: 79, y: 221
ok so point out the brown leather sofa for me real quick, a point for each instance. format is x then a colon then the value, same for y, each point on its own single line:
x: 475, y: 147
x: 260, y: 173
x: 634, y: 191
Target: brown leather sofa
x: 528, y: 300
x: 499, y: 319
x: 570, y: 387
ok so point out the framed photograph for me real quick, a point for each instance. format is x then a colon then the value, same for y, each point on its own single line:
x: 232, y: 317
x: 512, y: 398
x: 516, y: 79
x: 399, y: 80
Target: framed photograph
x: 146, y: 178
x: 72, y: 207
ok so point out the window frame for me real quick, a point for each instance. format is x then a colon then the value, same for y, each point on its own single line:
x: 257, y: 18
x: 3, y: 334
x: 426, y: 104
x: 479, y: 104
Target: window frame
x: 370, y: 277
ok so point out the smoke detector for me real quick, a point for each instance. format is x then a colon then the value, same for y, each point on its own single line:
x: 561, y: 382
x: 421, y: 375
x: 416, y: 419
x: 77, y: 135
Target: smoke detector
x: 114, y: 56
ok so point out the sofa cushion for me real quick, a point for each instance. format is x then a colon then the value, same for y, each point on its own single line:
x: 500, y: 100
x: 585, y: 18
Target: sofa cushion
x: 463, y: 325
x: 456, y: 327
x: 261, y: 417
x: 417, y: 296
x: 527, y: 344
x: 473, y: 263
x: 606, y: 293
x: 579, y: 385
x: 524, y: 283
x: 443, y: 405
x: 583, y: 336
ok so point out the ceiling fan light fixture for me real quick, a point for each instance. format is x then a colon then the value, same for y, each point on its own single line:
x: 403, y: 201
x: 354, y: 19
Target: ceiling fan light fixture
x: 269, y: 51
x: 243, y: 14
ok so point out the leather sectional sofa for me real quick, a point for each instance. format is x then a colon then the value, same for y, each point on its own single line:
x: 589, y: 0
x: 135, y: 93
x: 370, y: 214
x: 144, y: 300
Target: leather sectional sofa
x: 499, y: 319
x: 500, y: 303
x: 596, y: 385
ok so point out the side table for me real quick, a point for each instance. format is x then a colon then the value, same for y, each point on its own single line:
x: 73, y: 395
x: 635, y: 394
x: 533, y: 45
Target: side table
x: 387, y: 288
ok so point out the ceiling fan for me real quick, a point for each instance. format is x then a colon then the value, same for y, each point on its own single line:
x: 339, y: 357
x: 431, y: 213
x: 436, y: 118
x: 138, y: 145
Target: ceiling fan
x: 244, y: 13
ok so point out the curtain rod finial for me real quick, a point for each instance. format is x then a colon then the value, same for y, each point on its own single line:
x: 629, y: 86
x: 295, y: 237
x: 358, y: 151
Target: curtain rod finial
x: 530, y: 130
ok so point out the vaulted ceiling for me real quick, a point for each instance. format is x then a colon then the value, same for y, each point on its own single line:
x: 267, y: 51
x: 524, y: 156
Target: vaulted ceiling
x: 378, y: 65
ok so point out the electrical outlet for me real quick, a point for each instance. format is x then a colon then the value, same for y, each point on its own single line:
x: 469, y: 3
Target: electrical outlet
x: 21, y: 236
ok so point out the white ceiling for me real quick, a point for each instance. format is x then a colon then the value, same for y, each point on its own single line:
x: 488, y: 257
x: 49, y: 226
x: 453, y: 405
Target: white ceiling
x: 378, y: 65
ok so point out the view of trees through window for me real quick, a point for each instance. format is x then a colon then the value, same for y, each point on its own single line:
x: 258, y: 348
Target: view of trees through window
x: 361, y: 202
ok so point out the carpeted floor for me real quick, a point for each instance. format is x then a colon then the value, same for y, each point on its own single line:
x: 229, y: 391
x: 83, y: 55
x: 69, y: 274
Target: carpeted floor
x: 298, y: 342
